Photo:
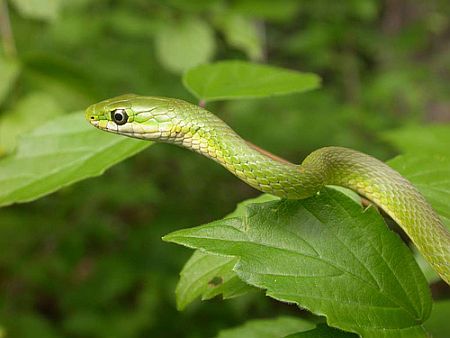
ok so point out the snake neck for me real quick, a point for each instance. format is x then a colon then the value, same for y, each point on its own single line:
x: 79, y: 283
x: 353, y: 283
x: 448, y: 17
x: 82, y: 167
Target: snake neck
x: 200, y: 131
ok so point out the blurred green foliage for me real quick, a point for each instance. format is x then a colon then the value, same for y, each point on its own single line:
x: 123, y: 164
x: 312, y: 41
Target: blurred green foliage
x: 88, y: 261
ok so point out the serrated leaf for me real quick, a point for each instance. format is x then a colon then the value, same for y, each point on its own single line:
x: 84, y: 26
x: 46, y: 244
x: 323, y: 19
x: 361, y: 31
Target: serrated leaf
x: 328, y: 255
x: 206, y: 275
x: 228, y: 80
x: 9, y: 70
x: 421, y: 140
x: 38, y: 9
x: 267, y: 328
x: 184, y: 44
x: 58, y: 153
x: 430, y: 173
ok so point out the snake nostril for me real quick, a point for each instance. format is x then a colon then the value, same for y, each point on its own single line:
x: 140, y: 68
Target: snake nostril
x: 92, y: 117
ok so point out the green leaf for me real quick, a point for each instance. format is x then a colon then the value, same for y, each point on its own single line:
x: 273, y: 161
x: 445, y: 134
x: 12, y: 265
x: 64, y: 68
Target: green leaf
x: 205, y: 275
x: 23, y: 116
x: 323, y: 331
x: 421, y: 139
x: 208, y: 276
x: 430, y: 173
x: 267, y: 328
x: 241, y: 209
x: 58, y: 153
x: 9, y: 70
x: 328, y: 255
x: 184, y: 44
x: 238, y: 79
x: 439, y: 324
x: 242, y: 33
x: 38, y: 9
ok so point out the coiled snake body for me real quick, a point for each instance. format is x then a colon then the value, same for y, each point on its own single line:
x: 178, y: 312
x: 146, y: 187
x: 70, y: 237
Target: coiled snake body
x: 190, y: 126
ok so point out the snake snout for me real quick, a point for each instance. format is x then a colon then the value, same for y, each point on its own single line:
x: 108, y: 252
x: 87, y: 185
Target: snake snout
x: 90, y: 114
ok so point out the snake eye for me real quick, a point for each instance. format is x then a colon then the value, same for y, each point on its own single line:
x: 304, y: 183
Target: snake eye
x: 119, y: 116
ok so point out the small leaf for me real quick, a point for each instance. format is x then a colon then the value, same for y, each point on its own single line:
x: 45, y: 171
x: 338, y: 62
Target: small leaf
x: 242, y: 33
x: 185, y: 44
x: 58, y: 153
x: 38, y: 9
x: 430, y: 173
x: 9, y: 70
x: 328, y: 255
x: 208, y: 276
x: 238, y: 79
x: 267, y: 328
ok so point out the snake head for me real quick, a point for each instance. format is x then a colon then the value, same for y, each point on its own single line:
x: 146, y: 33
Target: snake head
x: 150, y: 118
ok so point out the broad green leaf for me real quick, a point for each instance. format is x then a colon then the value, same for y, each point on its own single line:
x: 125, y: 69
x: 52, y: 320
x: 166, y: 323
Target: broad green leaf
x: 242, y: 33
x: 206, y: 275
x: 22, y: 118
x: 328, y: 255
x: 267, y: 328
x: 323, y: 331
x: 430, y: 173
x: 38, y: 9
x: 58, y: 153
x: 421, y: 140
x: 184, y: 44
x: 203, y: 268
x: 439, y: 324
x: 239, y: 79
x: 9, y: 70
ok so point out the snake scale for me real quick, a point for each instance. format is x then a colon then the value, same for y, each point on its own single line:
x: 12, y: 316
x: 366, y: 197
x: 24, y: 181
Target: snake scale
x: 190, y: 126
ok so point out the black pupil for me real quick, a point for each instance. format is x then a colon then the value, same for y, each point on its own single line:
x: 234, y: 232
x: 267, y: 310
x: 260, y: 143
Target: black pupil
x: 118, y: 116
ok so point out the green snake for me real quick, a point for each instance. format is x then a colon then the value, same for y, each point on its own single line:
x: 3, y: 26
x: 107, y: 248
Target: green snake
x: 190, y: 126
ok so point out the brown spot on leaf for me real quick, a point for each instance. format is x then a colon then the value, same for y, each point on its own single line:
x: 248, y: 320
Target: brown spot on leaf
x: 216, y: 281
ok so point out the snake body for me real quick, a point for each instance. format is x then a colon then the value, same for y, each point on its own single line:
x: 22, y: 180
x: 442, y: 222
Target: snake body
x: 190, y: 126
